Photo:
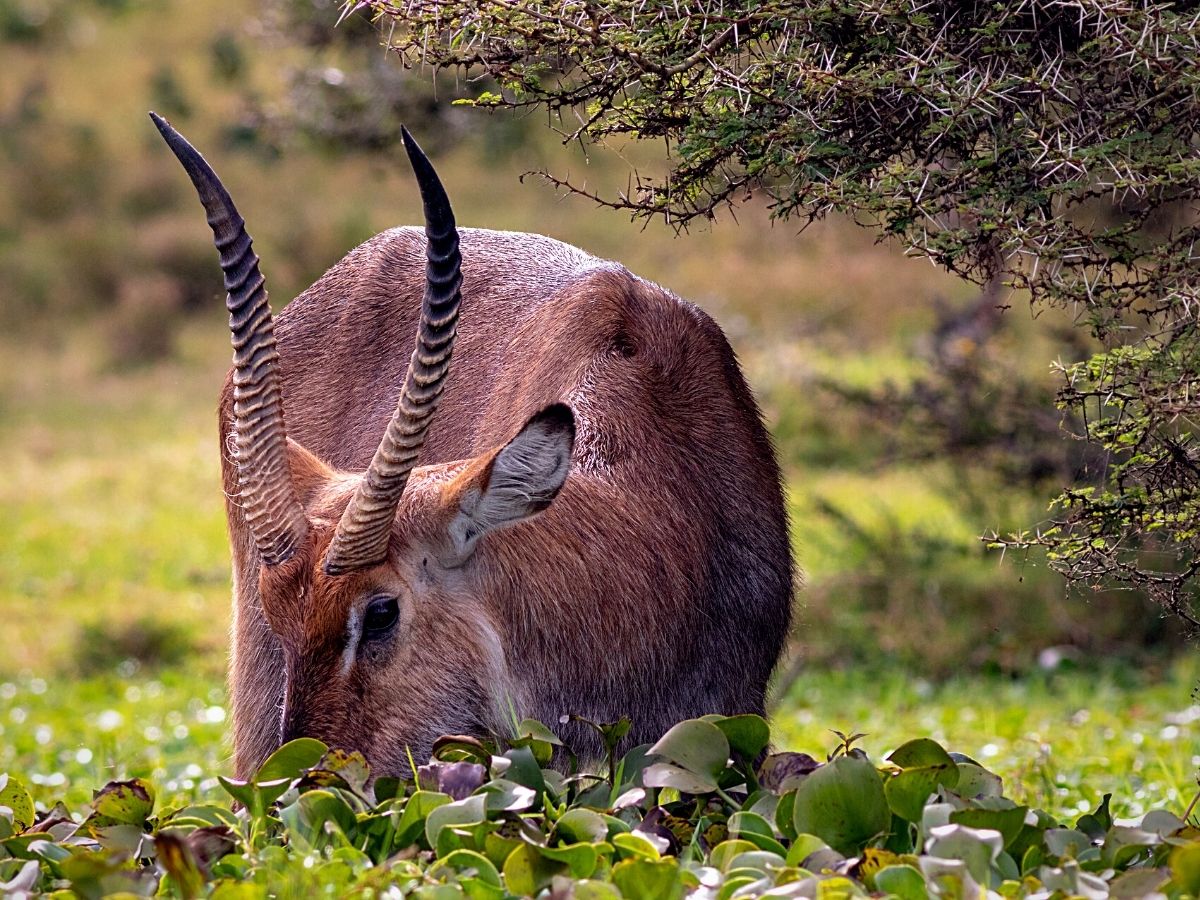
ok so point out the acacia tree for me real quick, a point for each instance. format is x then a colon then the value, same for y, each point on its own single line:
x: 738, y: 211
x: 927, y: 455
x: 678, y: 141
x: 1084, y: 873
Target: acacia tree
x: 1049, y: 143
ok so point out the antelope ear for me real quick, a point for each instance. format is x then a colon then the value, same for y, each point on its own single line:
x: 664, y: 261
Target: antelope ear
x: 519, y: 481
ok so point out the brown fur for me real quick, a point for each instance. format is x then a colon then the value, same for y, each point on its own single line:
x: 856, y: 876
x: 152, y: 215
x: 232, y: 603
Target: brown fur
x: 656, y: 585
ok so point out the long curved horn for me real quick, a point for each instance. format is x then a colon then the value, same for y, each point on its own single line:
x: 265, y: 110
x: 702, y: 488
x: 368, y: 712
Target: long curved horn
x: 273, y: 510
x: 362, y: 535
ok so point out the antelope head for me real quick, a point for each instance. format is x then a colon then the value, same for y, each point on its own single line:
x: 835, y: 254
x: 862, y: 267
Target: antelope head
x: 369, y: 580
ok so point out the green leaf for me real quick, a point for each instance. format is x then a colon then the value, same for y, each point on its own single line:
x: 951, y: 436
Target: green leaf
x: 123, y: 803
x: 976, y: 781
x: 755, y: 829
x: 645, y: 879
x: 581, y: 825
x: 632, y: 844
x: 1009, y: 822
x: 909, y: 790
x: 292, y: 760
x: 919, y: 754
x: 1185, y: 868
x: 748, y: 735
x: 696, y: 746
x: 470, y: 811
x: 666, y: 775
x: 527, y: 871
x: 903, y: 882
x: 843, y: 803
x: 580, y: 858
x: 18, y: 801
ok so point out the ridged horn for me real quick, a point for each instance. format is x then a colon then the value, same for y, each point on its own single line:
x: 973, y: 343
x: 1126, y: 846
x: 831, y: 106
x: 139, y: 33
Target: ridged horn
x: 272, y: 508
x: 362, y: 534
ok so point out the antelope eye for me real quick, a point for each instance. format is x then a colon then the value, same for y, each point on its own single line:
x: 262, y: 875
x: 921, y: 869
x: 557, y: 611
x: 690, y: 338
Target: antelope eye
x: 381, y: 615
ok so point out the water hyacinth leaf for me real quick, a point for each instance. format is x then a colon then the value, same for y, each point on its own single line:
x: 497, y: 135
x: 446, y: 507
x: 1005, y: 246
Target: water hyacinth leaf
x: 468, y: 812
x: 501, y: 794
x: 780, y: 772
x: 843, y: 803
x: 1009, y: 822
x: 122, y: 803
x: 412, y: 820
x: 901, y: 881
x: 976, y: 781
x: 665, y: 775
x: 1066, y: 843
x: 646, y: 879
x: 695, y: 746
x: 1185, y: 868
x: 176, y: 857
x: 340, y: 768
x: 724, y: 853
x: 747, y: 735
x: 460, y: 747
x: 580, y: 858
x: 909, y: 790
x: 23, y: 882
x: 1123, y: 843
x: 1139, y: 883
x: 804, y: 846
x: 594, y: 890
x: 523, y: 768
x: 468, y: 862
x: 977, y: 848
x: 1162, y: 822
x: 577, y: 825
x: 527, y: 871
x: 1072, y: 881
x: 292, y: 760
x: 920, y: 754
x: 754, y: 828
x: 633, y: 844
x: 18, y: 801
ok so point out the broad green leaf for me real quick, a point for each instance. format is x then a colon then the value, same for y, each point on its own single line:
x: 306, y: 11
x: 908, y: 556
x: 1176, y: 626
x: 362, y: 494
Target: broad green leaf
x: 123, y: 803
x: 976, y: 781
x: 1009, y: 822
x: 580, y: 858
x: 17, y: 799
x: 527, y: 871
x: 632, y: 844
x: 468, y: 861
x: 581, y: 825
x: 804, y: 846
x: 902, y: 882
x: 646, y: 879
x: 696, y: 746
x: 291, y: 760
x: 1185, y: 868
x: 843, y: 803
x: 725, y: 852
x: 909, y: 790
x: 920, y: 754
x: 412, y: 821
x: 757, y: 830
x: 594, y: 890
x: 748, y: 735
x: 1066, y: 843
x: 665, y: 775
x: 470, y: 811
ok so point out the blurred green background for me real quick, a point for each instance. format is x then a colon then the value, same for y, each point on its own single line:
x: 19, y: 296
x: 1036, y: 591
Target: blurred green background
x: 910, y: 417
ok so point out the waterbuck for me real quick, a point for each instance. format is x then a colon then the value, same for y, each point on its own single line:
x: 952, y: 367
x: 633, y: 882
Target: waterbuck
x: 585, y: 517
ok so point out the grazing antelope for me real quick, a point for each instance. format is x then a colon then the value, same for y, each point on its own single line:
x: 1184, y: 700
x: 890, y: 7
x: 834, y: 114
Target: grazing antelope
x: 592, y: 522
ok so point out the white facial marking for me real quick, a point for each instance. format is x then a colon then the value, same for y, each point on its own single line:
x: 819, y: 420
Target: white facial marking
x: 353, y: 635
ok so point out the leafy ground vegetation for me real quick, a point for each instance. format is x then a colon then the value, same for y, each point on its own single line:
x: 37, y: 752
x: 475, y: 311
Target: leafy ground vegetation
x: 696, y: 813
